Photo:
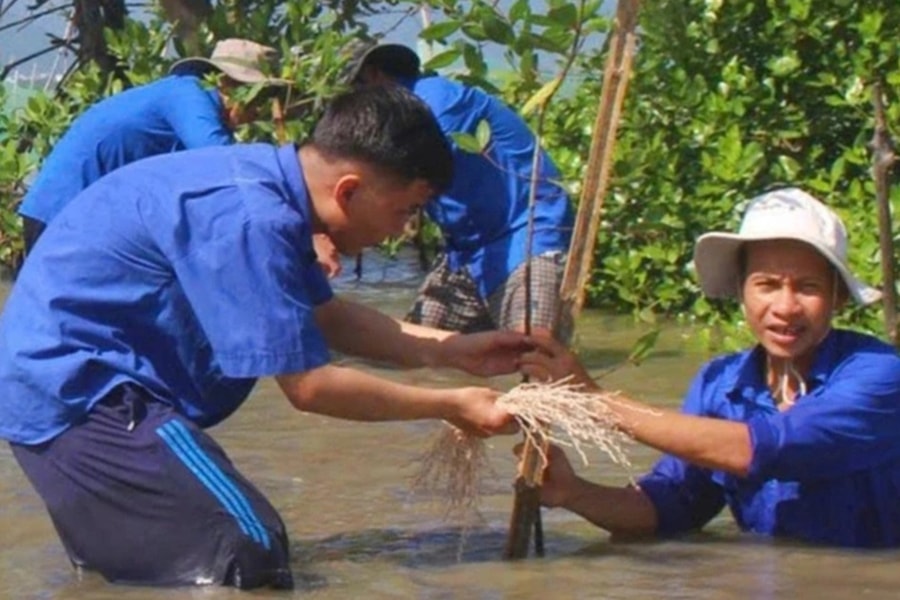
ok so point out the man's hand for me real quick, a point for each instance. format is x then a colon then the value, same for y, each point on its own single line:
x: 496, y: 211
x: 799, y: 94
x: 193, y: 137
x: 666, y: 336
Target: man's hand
x: 327, y: 255
x: 478, y: 414
x: 485, y: 354
x: 551, y: 361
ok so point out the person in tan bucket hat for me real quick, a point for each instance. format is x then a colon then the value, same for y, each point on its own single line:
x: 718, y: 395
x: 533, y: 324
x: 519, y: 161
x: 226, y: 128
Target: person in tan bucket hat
x: 796, y: 435
x: 177, y: 112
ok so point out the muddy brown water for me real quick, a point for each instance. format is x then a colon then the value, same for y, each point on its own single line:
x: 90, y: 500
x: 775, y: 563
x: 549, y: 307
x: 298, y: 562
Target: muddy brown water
x: 343, y: 490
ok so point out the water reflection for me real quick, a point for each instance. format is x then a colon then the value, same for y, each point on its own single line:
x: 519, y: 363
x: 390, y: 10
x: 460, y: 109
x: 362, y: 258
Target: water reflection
x: 343, y: 490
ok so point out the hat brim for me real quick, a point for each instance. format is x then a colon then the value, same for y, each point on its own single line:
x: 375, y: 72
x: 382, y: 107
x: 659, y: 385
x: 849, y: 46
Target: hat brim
x: 238, y: 73
x: 716, y: 263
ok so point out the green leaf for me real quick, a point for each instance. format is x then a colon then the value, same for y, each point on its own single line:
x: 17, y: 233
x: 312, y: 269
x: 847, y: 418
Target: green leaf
x: 556, y: 39
x: 496, y: 29
x: 784, y: 65
x: 540, y: 98
x: 466, y: 142
x: 871, y: 24
x: 483, y: 134
x: 790, y: 165
x: 565, y: 15
x: 474, y: 61
x: 442, y: 59
x: 439, y: 31
x: 519, y: 11
x: 643, y: 346
x: 475, y: 30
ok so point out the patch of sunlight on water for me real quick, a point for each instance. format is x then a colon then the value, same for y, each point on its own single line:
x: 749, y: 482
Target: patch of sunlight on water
x: 343, y: 490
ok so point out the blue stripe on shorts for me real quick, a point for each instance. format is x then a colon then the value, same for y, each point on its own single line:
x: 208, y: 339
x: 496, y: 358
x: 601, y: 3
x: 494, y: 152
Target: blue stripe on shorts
x: 179, y: 440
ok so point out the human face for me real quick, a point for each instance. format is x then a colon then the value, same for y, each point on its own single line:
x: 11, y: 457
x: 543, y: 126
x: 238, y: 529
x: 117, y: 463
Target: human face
x: 789, y: 296
x: 375, y: 209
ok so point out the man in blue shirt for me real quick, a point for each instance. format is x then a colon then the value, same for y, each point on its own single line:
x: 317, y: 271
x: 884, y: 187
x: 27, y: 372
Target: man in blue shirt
x: 798, y: 435
x: 174, y: 113
x: 479, y: 282
x: 160, y: 294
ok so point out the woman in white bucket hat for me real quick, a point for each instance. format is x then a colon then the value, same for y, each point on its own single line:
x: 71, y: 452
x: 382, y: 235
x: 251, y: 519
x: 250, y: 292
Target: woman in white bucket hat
x: 798, y: 435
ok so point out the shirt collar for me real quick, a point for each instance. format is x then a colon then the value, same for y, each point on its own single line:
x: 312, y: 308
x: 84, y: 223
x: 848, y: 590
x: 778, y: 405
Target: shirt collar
x: 294, y: 181
x: 827, y: 356
x: 746, y: 379
x: 298, y: 194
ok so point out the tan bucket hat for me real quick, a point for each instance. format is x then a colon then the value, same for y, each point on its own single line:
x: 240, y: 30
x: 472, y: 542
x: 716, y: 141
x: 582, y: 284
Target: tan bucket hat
x: 241, y: 60
x: 788, y: 213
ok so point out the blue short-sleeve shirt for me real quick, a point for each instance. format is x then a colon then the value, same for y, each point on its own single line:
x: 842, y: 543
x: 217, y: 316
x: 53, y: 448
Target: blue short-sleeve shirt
x: 173, y: 113
x: 190, y: 274
x: 826, y: 470
x: 484, y: 214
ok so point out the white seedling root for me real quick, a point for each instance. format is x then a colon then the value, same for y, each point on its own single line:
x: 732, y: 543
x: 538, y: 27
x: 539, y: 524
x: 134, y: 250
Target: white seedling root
x: 453, y: 469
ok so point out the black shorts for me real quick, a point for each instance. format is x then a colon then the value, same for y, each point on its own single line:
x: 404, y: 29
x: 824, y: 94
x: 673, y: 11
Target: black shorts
x: 143, y: 496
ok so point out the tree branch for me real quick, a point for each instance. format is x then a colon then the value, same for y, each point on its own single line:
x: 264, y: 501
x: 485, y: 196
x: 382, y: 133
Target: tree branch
x: 883, y: 159
x: 9, y: 67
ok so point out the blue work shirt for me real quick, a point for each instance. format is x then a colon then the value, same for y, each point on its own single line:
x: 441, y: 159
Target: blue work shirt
x: 484, y: 214
x: 190, y: 274
x: 173, y: 113
x: 826, y: 470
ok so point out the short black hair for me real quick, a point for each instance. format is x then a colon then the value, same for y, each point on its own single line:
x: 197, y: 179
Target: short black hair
x: 389, y: 128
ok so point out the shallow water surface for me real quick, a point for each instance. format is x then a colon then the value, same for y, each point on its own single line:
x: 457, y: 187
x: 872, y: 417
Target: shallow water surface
x: 357, y: 531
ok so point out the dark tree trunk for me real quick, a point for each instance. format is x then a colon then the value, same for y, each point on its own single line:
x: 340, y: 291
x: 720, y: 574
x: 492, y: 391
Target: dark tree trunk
x: 187, y: 16
x: 91, y: 17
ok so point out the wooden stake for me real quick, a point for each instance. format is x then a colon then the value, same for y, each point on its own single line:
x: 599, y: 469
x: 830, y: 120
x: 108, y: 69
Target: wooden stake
x: 883, y: 159
x: 616, y: 74
x: 526, y: 513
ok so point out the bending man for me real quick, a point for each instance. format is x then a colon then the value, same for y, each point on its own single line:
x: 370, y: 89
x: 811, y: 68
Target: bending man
x: 174, y: 113
x: 479, y: 282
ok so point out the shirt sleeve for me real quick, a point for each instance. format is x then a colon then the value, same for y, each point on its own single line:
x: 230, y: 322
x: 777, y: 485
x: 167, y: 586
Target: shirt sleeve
x: 253, y: 286
x: 685, y: 496
x: 851, y: 423
x: 197, y: 119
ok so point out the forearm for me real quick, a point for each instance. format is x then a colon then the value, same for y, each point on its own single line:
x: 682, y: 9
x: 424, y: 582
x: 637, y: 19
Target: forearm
x: 625, y: 512
x: 712, y: 443
x: 356, y: 329
x: 351, y: 394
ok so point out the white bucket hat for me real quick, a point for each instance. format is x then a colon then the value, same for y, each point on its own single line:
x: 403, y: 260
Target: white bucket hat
x: 241, y: 60
x: 789, y: 214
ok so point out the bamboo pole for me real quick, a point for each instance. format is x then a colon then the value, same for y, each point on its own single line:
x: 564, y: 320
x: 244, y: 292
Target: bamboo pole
x: 615, y: 83
x: 526, y: 514
x: 883, y: 159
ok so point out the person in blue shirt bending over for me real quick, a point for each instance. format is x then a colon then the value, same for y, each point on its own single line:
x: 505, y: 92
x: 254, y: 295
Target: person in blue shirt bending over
x: 798, y: 435
x: 479, y: 282
x: 160, y: 294
x: 174, y: 113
